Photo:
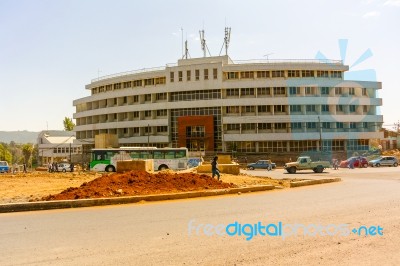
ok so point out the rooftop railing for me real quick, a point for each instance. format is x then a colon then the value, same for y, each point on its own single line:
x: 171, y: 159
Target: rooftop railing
x: 293, y: 61
x: 251, y: 61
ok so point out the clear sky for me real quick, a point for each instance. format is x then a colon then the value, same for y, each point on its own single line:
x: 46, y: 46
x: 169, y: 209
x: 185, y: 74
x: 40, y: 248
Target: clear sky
x: 50, y: 49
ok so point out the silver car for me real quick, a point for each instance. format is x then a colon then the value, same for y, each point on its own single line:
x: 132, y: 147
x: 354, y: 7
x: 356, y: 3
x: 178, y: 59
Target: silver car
x: 384, y: 161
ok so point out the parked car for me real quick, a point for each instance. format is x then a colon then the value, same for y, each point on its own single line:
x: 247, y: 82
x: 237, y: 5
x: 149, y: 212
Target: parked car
x: 384, y: 161
x: 261, y: 164
x: 4, y: 168
x: 64, y: 167
x: 357, y: 162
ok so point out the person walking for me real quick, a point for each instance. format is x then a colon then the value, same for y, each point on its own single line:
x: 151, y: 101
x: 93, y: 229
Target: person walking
x: 214, y: 167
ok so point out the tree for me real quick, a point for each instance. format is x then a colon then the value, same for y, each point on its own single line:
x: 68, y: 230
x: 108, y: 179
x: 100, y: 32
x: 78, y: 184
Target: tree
x: 68, y: 124
x: 5, y: 155
x: 27, y: 151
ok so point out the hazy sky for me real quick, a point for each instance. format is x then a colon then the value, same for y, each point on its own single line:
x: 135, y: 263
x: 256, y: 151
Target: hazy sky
x: 49, y: 50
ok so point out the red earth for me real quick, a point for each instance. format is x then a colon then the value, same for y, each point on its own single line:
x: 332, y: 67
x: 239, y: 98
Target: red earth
x: 140, y: 183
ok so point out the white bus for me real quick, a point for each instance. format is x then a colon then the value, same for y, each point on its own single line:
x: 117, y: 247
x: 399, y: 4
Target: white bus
x: 164, y: 158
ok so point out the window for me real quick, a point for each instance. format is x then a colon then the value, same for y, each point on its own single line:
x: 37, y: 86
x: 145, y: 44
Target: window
x: 311, y: 125
x: 264, y: 108
x: 205, y: 74
x: 279, y: 108
x: 161, y: 96
x: 197, y: 74
x: 324, y: 90
x: 188, y: 75
x: 339, y: 108
x: 232, y: 109
x: 233, y: 75
x: 248, y: 109
x: 117, y: 86
x: 352, y: 108
x: 263, y: 74
x: 307, y: 73
x: 338, y: 91
x: 247, y: 75
x: 138, y: 83
x: 324, y: 108
x: 171, y: 76
x: 108, y: 87
x: 215, y: 73
x: 294, y: 90
x: 249, y: 126
x: 364, y: 91
x: 264, y: 126
x: 336, y: 74
x: 351, y: 91
x: 278, y: 73
x: 234, y: 127
x: 279, y: 90
x: 322, y: 74
x: 247, y: 92
x: 159, y: 80
x: 147, y: 97
x: 232, y: 92
x: 147, y: 130
x: 162, y: 129
x: 136, y: 98
x: 339, y: 125
x: 280, y: 125
x: 180, y: 75
x: 263, y: 91
x: 352, y: 125
x: 365, y: 108
x: 94, y: 90
x: 295, y: 125
x: 148, y: 82
x: 293, y: 73
x: 326, y: 125
x: 309, y: 90
x: 147, y: 113
x: 127, y: 84
x: 101, y: 89
x: 295, y: 108
x: 310, y: 108
x: 162, y: 112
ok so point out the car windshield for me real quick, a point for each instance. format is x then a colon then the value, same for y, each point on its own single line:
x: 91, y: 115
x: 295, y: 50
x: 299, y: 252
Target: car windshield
x: 3, y: 163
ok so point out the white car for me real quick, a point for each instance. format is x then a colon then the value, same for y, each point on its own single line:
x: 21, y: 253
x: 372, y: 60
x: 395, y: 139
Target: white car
x: 64, y: 167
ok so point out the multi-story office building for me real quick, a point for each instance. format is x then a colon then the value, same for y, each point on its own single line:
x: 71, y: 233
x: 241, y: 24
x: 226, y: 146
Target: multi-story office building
x: 216, y: 104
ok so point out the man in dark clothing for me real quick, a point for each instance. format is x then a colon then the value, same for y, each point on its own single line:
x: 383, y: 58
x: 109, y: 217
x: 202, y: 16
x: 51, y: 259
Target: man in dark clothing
x: 214, y: 167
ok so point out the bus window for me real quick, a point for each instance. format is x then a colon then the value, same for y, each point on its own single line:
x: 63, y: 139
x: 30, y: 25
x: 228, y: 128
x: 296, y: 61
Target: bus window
x: 158, y: 155
x: 180, y: 154
x: 146, y: 155
x: 169, y: 154
x: 135, y: 154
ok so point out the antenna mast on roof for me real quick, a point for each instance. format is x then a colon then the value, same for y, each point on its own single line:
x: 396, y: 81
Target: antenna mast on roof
x: 185, y: 56
x: 227, y: 40
x: 204, y: 46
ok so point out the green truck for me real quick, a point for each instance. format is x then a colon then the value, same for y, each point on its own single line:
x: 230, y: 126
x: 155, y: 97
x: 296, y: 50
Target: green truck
x: 305, y: 163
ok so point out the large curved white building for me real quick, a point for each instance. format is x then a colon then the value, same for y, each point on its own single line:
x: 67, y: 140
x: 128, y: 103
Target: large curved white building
x: 216, y: 104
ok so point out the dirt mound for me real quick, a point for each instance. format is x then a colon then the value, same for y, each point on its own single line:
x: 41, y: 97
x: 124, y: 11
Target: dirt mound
x: 140, y: 183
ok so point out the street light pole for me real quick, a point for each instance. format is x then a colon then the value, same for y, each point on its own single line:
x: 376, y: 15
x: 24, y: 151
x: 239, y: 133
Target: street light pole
x: 320, y: 134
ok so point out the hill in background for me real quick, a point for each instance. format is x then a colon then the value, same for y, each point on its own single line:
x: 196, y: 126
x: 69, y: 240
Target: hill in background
x: 20, y: 137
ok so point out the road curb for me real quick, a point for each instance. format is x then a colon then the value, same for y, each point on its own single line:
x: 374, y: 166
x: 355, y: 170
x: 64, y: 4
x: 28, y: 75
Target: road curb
x: 63, y: 204
x: 314, y: 182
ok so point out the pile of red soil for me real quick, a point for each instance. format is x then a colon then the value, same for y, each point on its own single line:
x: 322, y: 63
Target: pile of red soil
x: 140, y: 183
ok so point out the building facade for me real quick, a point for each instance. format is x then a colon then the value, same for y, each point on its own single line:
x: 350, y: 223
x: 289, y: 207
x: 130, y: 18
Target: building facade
x: 58, y: 146
x: 219, y: 105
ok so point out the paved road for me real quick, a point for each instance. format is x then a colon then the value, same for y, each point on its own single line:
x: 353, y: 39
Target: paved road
x: 158, y: 233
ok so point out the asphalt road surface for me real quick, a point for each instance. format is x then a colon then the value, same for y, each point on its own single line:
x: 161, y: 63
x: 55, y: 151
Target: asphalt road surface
x: 306, y: 226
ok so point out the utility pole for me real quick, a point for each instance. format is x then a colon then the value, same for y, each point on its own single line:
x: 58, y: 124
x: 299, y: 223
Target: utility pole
x: 320, y: 134
x: 70, y: 152
x: 148, y: 135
